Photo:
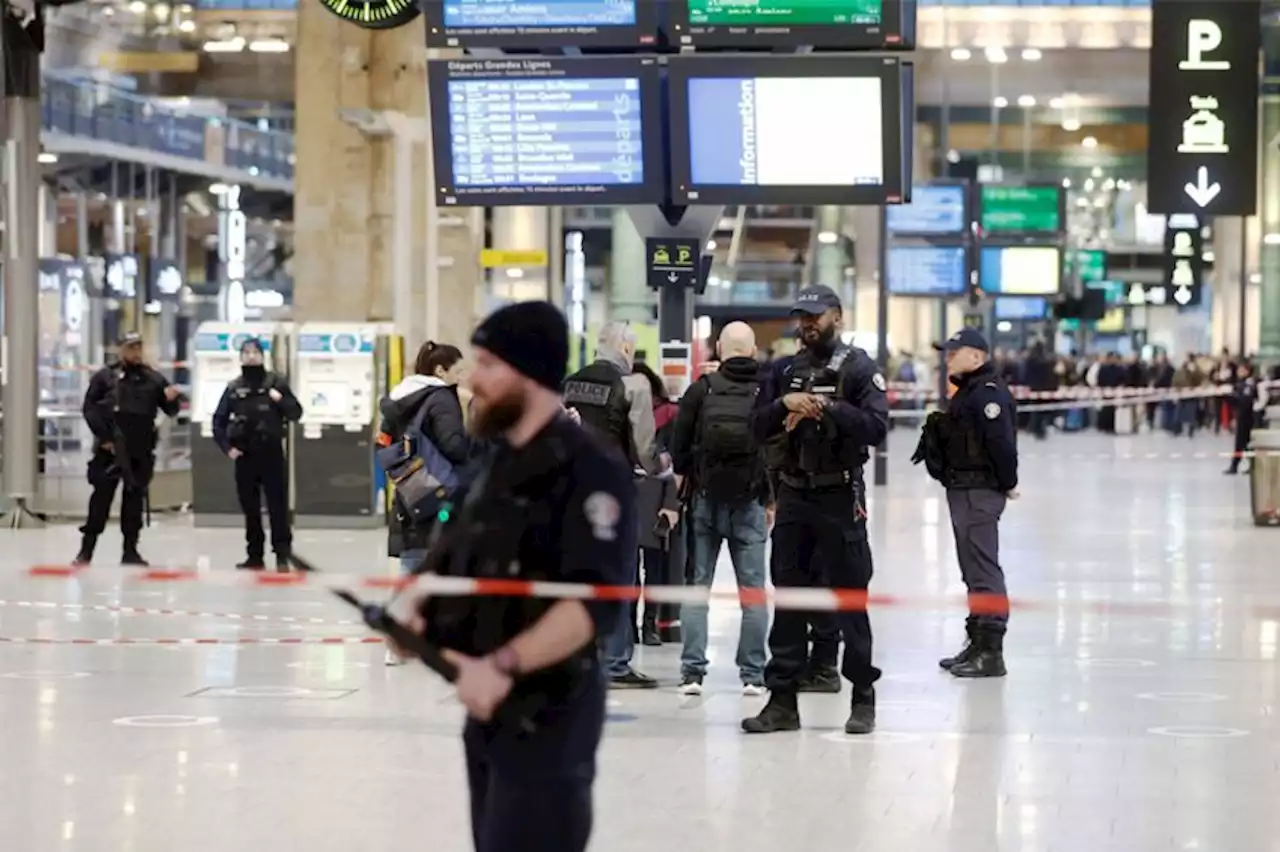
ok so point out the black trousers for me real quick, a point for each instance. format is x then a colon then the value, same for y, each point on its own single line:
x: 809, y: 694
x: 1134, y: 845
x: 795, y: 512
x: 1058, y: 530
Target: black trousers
x: 1244, y: 432
x: 262, y: 473
x: 975, y: 521
x: 533, y: 793
x: 105, y: 474
x: 831, y: 525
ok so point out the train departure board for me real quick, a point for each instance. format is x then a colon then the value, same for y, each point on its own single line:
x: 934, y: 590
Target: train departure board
x: 541, y: 23
x: 1020, y: 270
x: 790, y: 23
x: 1021, y: 209
x: 531, y: 131
x: 936, y: 271
x: 933, y: 211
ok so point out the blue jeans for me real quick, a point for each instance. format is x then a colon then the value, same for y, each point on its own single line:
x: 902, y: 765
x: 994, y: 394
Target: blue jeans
x: 743, y: 527
x: 411, y: 559
x: 618, y: 647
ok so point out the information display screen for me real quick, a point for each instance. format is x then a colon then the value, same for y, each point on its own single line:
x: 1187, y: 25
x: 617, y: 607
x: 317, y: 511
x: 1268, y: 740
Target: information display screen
x: 534, y: 131
x: 1020, y: 270
x: 540, y: 23
x: 774, y: 129
x: 1021, y: 209
x: 1030, y: 308
x: 820, y: 23
x: 928, y: 271
x: 933, y: 211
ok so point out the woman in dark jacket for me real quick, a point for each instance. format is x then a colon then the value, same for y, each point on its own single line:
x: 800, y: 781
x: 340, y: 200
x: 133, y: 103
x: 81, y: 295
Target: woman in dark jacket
x: 433, y: 387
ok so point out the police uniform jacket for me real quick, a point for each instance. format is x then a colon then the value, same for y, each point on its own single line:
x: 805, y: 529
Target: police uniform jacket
x: 122, y: 401
x: 263, y: 419
x: 980, y: 440
x: 562, y: 508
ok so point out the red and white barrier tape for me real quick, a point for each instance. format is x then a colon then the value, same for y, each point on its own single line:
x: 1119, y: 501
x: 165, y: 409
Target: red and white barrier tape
x: 847, y: 600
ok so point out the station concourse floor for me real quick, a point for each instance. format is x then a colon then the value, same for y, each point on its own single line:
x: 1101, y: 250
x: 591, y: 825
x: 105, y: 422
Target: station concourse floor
x: 1151, y: 729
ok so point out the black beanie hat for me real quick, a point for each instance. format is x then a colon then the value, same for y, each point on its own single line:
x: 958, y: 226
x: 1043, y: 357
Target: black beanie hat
x: 530, y: 336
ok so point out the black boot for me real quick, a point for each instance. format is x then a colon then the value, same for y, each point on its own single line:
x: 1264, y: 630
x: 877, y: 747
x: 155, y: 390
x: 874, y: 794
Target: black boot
x: 649, y: 629
x: 252, y: 563
x: 966, y: 652
x: 987, y: 660
x: 782, y: 713
x: 862, y: 713
x: 85, y: 556
x: 131, y: 556
x: 821, y: 678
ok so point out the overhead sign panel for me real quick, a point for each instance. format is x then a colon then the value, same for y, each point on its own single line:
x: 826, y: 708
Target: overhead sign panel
x: 535, y: 131
x: 937, y: 271
x: 1183, y: 261
x: 785, y: 129
x: 541, y: 23
x: 1020, y: 270
x: 792, y: 23
x: 934, y: 211
x: 1020, y: 210
x: 1202, y: 148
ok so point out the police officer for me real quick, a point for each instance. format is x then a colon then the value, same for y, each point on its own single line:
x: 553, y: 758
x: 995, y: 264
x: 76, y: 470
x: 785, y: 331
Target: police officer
x: 1248, y: 401
x: 249, y: 426
x: 832, y: 408
x: 550, y: 503
x: 120, y: 408
x: 979, y: 457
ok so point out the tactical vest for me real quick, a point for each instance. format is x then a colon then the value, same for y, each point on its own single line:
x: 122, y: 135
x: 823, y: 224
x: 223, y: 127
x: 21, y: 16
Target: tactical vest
x: 815, y: 453
x: 253, y: 416
x: 600, y: 397
x: 136, y: 394
x: 966, y: 461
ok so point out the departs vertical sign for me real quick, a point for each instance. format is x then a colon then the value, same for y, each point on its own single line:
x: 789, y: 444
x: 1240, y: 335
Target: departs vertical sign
x: 1202, y: 148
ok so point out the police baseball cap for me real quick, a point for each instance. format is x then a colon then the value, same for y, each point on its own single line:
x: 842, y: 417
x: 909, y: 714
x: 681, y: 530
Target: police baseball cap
x: 130, y: 338
x: 965, y: 338
x: 816, y: 300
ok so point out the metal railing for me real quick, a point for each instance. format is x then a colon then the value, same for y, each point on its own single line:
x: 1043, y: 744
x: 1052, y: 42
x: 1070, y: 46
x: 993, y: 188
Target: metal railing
x: 76, y: 106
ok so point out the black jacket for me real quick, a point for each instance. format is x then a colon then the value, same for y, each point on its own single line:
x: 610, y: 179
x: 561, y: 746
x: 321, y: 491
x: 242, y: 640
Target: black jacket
x: 684, y: 432
x: 442, y: 423
x: 287, y: 410
x: 101, y: 400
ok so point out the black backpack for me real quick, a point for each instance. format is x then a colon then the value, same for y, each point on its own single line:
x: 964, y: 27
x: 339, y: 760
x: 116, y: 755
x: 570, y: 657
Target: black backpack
x: 730, y: 463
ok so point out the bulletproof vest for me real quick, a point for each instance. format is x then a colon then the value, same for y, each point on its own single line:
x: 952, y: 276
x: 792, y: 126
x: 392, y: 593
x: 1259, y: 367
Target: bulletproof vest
x: 966, y: 462
x: 814, y: 447
x: 253, y: 418
x: 600, y: 397
x: 136, y: 395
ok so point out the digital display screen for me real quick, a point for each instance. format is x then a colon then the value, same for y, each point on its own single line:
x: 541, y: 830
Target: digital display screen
x: 546, y: 131
x: 1021, y: 209
x: 820, y: 23
x: 812, y: 129
x: 540, y: 23
x: 1022, y: 309
x: 933, y: 211
x: 928, y: 271
x: 1020, y: 270
x: 1093, y: 265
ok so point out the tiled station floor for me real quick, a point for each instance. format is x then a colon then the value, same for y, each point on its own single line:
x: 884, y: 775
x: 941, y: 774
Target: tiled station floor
x: 1148, y: 729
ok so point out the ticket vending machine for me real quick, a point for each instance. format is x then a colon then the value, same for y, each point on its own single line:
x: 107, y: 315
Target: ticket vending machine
x: 339, y: 377
x: 215, y: 358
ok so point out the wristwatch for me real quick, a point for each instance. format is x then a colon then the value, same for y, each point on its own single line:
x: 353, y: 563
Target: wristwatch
x: 505, y: 660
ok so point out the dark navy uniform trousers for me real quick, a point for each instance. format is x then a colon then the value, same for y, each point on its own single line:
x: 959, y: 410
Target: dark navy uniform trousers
x: 975, y: 520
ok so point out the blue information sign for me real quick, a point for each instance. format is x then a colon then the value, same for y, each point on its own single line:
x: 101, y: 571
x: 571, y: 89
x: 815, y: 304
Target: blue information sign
x: 547, y: 14
x: 928, y: 271
x: 933, y: 211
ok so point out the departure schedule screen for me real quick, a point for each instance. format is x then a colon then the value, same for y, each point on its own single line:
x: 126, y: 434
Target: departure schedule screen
x: 928, y: 271
x: 784, y: 12
x: 548, y: 128
x: 538, y: 14
x: 785, y: 131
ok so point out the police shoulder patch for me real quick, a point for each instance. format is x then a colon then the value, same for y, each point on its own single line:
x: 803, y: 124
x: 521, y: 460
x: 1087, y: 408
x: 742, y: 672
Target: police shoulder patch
x: 878, y: 381
x: 992, y: 411
x: 602, y: 512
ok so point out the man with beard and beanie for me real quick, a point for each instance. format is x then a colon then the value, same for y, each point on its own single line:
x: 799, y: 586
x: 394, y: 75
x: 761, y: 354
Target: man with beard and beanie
x: 120, y: 407
x: 249, y: 426
x: 832, y: 408
x: 616, y: 405
x: 978, y: 441
x: 548, y: 503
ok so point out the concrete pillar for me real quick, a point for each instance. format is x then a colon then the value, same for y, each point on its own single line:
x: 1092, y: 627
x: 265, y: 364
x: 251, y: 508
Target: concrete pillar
x: 1225, y: 284
x: 829, y: 257
x: 1269, y: 206
x: 48, y: 221
x: 630, y: 299
x: 865, y: 228
x: 520, y: 229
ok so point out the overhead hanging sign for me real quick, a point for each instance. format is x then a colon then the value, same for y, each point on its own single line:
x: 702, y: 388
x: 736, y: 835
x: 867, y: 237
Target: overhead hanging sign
x: 1183, y: 261
x: 1202, y: 146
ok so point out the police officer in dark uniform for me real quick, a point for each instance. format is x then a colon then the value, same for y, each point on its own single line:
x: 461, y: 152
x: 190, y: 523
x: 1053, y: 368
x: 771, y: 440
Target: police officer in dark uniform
x: 549, y: 503
x: 979, y: 456
x: 120, y: 408
x: 832, y: 408
x: 249, y: 426
x: 1248, y: 401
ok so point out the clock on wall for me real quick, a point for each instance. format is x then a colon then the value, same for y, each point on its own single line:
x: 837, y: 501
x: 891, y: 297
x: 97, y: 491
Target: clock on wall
x: 374, y: 14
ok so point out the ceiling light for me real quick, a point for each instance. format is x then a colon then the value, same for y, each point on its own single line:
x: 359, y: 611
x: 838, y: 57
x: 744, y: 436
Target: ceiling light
x: 828, y: 237
x: 711, y: 245
x: 996, y: 55
x: 1071, y: 125
x: 231, y: 45
x: 960, y: 54
x: 1031, y: 54
x: 137, y: 7
x: 187, y: 26
x: 515, y: 272
x: 1057, y: 103
x: 1000, y: 102
x: 1066, y: 183
x: 1089, y: 142
x: 269, y: 45
x: 107, y: 11
x: 953, y: 156
x: 1271, y: 239
x: 161, y: 11
x: 47, y: 157
x: 1097, y: 170
x: 1088, y: 187
x: 1027, y: 101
